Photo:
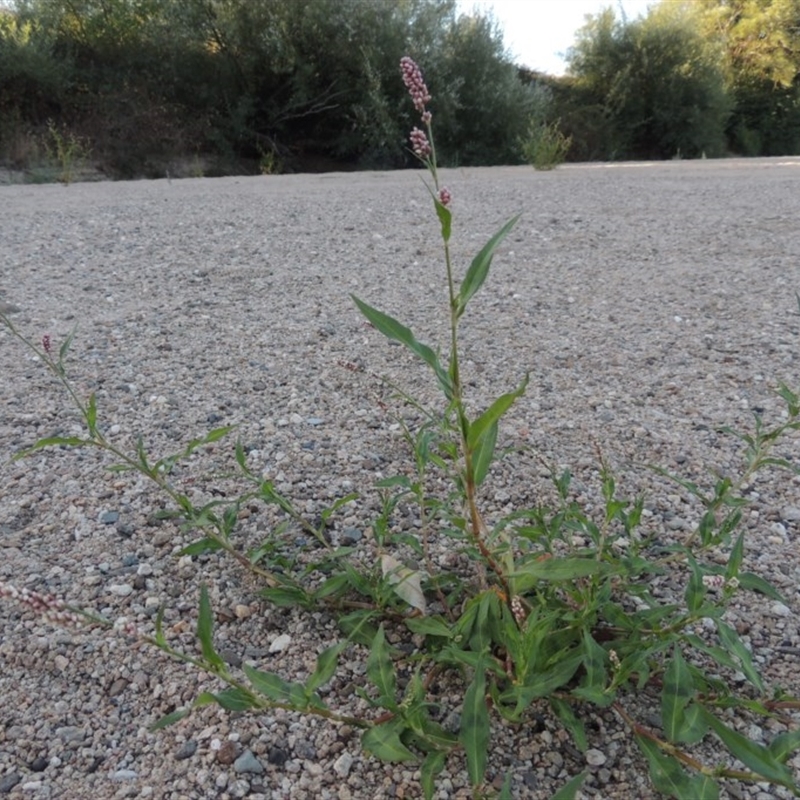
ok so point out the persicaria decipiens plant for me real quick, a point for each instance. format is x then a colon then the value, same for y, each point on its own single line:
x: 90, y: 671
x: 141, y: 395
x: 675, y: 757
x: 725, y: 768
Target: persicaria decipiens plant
x: 550, y: 610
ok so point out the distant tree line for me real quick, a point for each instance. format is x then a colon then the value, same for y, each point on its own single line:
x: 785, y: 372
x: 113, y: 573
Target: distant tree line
x: 301, y: 84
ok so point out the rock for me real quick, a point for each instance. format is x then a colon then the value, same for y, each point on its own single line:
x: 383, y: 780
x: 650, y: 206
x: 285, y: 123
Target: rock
x: 595, y: 758
x: 39, y: 764
x: 121, y: 775
x: 120, y: 589
x: 71, y: 734
x: 228, y: 753
x: 187, y: 750
x: 790, y: 514
x: 231, y: 657
x: 248, y: 763
x: 280, y: 643
x: 780, y: 610
x: 9, y: 308
x: 343, y: 764
x: 8, y: 782
x: 277, y: 757
x: 117, y: 687
x: 126, y: 530
x: 108, y: 517
x: 351, y: 536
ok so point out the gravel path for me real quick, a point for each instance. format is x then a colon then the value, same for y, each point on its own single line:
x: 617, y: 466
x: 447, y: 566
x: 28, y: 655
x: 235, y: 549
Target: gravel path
x: 652, y: 304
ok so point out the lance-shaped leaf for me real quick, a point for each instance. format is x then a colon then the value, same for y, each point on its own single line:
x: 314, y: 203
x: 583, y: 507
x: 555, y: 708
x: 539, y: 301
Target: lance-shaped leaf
x: 483, y: 455
x: 753, y: 755
x: 381, y: 670
x: 474, y: 731
x: 445, y: 218
x: 670, y: 778
x: 479, y: 268
x: 205, y: 631
x: 677, y: 691
x: 492, y: 415
x: 384, y: 742
x: 431, y: 767
x: 570, y: 789
x: 326, y: 666
x: 393, y: 329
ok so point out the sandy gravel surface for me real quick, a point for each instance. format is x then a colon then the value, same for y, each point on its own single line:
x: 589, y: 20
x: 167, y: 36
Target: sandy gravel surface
x: 651, y: 303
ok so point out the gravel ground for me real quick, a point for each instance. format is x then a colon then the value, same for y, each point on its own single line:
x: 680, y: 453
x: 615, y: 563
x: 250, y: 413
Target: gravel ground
x: 651, y: 303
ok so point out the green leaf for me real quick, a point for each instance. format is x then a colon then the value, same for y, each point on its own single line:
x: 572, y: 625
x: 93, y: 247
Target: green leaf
x: 783, y: 745
x: 393, y: 329
x: 668, y: 776
x: 384, y: 742
x: 571, y: 722
x: 327, y: 661
x: 170, y: 719
x: 755, y: 583
x: 235, y: 699
x: 555, y: 569
x: 269, y: 684
x: 479, y: 268
x: 694, y: 727
x: 730, y: 639
x: 207, y: 545
x: 65, y: 345
x: 735, y: 558
x: 205, y: 630
x: 474, y: 731
x: 91, y: 414
x: 677, y: 691
x: 483, y: 455
x: 381, y: 670
x: 753, y: 755
x: 594, y: 663
x: 445, y: 218
x: 429, y: 626
x: 544, y: 683
x: 493, y: 414
x: 358, y: 627
x: 431, y: 767
x: 570, y: 789
x: 505, y: 789
x: 51, y: 441
x: 285, y: 596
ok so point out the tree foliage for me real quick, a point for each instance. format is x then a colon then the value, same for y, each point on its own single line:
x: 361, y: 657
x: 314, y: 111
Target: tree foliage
x: 313, y: 83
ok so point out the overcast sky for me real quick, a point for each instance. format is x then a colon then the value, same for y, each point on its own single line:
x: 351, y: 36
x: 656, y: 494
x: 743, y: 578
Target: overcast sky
x: 538, y: 32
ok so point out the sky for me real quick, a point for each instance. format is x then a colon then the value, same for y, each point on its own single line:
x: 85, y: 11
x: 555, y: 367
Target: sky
x: 538, y: 32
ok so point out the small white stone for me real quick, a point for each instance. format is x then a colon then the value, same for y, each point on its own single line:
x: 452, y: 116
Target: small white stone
x: 595, y: 758
x: 280, y: 643
x: 343, y: 764
x: 120, y: 589
x: 780, y: 610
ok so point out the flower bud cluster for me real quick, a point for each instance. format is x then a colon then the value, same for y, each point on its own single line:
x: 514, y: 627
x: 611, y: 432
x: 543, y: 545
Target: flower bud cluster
x: 719, y: 582
x: 48, y: 606
x: 419, y: 143
x: 518, y: 610
x: 412, y: 78
x: 444, y: 196
x: 47, y: 344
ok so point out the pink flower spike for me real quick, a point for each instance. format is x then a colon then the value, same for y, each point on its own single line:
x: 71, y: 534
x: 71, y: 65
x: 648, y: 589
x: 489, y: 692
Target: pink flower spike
x: 419, y: 143
x: 46, y: 344
x: 412, y: 78
x: 427, y: 117
x: 445, y: 197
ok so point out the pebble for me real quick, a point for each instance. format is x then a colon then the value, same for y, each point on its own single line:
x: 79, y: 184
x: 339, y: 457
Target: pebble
x: 280, y: 643
x: 120, y: 775
x: 186, y: 750
x: 248, y: 763
x: 120, y: 589
x: 780, y: 610
x: 9, y: 781
x: 109, y: 517
x: 790, y: 514
x: 595, y: 758
x: 343, y: 764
